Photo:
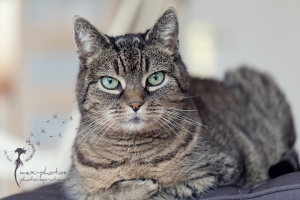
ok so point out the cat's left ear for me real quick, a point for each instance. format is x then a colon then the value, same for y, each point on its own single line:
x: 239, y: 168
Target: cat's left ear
x: 88, y: 39
x: 164, y: 33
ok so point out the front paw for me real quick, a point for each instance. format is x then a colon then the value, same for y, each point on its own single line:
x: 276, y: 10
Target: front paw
x: 135, y: 189
x: 162, y: 196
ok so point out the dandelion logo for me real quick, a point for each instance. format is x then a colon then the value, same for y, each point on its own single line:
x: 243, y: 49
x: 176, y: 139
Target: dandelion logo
x: 23, y: 154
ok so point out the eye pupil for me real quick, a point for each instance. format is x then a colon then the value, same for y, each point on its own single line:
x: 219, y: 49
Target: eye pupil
x: 109, y: 80
x: 155, y: 76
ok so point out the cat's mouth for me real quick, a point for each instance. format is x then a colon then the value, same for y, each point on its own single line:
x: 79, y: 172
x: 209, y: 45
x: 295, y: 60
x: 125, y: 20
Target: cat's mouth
x: 136, y: 123
x: 136, y: 120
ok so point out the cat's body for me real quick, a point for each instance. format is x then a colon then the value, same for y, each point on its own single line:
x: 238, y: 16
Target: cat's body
x: 189, y: 135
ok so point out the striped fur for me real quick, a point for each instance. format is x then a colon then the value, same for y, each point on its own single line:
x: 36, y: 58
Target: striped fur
x: 189, y: 135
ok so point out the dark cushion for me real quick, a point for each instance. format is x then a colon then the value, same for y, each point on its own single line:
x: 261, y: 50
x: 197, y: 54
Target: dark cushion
x: 286, y: 187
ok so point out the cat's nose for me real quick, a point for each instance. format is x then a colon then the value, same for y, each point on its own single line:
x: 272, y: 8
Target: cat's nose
x: 135, y: 105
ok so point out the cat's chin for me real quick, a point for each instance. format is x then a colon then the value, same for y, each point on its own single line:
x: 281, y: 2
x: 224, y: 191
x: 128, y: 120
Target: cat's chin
x: 136, y: 124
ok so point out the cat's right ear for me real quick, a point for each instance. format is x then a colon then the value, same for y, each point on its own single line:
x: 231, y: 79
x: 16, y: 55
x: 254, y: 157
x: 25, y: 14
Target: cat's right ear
x: 89, y: 41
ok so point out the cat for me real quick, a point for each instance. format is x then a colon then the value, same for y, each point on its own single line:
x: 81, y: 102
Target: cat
x: 150, y: 131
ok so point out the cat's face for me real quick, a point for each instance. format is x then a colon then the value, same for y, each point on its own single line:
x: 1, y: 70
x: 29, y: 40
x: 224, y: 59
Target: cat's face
x: 130, y: 83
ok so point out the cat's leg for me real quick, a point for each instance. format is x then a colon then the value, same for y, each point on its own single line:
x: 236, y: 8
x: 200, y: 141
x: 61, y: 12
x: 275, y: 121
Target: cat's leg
x: 191, y: 188
x: 131, y: 190
x: 137, y: 189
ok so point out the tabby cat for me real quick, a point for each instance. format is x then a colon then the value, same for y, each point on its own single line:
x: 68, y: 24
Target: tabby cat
x: 150, y: 131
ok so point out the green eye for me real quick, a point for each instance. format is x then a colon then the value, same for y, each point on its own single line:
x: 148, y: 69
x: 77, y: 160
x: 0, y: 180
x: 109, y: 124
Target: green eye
x: 156, y: 78
x: 109, y: 82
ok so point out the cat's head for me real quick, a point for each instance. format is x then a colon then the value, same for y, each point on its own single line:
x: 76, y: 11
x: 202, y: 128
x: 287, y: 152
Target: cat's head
x: 129, y: 83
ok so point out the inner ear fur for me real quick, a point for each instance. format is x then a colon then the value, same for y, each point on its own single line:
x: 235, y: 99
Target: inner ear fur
x: 88, y: 39
x: 165, y: 31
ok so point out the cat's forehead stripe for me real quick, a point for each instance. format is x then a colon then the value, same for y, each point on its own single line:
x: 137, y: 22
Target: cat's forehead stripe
x: 116, y: 66
x: 147, y: 64
x: 131, y: 61
x: 125, y: 64
x: 122, y: 65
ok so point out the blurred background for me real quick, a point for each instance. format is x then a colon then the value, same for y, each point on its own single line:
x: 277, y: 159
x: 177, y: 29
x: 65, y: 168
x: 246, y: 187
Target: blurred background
x: 38, y: 62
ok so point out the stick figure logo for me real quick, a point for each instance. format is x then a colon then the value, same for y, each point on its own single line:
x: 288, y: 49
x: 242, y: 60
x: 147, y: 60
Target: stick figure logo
x: 24, y: 154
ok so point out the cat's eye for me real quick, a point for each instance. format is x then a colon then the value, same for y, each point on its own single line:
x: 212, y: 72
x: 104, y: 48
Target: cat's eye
x: 156, y: 78
x: 109, y: 82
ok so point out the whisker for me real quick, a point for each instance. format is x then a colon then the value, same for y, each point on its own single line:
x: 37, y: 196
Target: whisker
x: 101, y: 128
x: 107, y: 128
x: 171, y: 108
x: 167, y: 123
x: 94, y: 129
x: 183, y: 128
x: 87, y: 127
x: 83, y: 119
x: 78, y: 142
x: 92, y: 118
x: 91, y: 128
x: 188, y: 119
x: 161, y: 124
x: 203, y: 137
x: 95, y: 126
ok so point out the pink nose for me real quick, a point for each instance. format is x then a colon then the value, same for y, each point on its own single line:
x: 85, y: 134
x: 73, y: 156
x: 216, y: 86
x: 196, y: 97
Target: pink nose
x: 135, y: 105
